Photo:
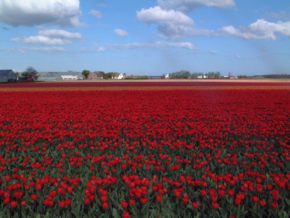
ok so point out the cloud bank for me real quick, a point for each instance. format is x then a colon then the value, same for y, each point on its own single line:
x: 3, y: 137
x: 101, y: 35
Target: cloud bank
x: 190, y: 4
x: 171, y: 18
x: 261, y: 29
x: 51, y: 37
x: 37, y: 12
x: 171, y: 23
x: 143, y: 45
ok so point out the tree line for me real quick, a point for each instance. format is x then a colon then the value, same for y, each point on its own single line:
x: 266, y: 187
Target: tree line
x: 184, y: 74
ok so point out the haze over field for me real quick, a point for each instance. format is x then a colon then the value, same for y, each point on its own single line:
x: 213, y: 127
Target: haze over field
x: 146, y: 36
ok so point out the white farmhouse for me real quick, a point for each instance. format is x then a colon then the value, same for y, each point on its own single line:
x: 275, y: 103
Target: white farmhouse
x: 203, y: 76
x: 119, y: 76
x: 69, y: 77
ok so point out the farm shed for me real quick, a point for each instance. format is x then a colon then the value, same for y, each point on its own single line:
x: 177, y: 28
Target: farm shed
x: 8, y: 76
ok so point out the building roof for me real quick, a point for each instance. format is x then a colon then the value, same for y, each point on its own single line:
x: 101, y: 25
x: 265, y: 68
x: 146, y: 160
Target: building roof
x: 6, y: 72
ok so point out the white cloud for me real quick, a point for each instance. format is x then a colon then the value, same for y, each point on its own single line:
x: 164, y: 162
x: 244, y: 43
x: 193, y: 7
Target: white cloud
x: 261, y: 29
x: 33, y: 49
x: 57, y: 33
x: 44, y: 40
x: 36, y: 12
x: 96, y: 13
x: 51, y: 37
x: 268, y: 29
x: 189, y: 4
x: 12, y: 50
x: 121, y: 32
x: 140, y: 45
x: 158, y: 44
x: 171, y: 23
x: 159, y: 15
x: 45, y: 49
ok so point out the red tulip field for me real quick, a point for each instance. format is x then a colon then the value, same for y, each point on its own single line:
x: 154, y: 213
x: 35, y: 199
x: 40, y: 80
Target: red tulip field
x: 149, y: 150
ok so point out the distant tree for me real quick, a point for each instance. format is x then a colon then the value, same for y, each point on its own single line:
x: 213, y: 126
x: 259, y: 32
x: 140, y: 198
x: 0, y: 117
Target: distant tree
x: 108, y: 75
x: 111, y: 75
x: 86, y: 74
x: 217, y: 75
x: 213, y: 75
x: 100, y: 73
x: 195, y: 75
x: 242, y: 76
x: 277, y: 76
x: 183, y: 74
x: 30, y: 74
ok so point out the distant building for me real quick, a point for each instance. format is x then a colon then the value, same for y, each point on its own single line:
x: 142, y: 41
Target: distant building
x: 167, y: 76
x: 96, y: 75
x: 119, y: 76
x: 69, y: 77
x: 56, y: 76
x: 155, y: 77
x: 8, y: 76
x: 203, y: 76
x: 48, y: 79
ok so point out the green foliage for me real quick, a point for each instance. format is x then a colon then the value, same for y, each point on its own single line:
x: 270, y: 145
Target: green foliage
x: 30, y: 74
x: 86, y: 74
x: 184, y: 74
x: 110, y: 75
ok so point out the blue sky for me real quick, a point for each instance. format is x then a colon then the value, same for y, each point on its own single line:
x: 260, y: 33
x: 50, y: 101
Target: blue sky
x: 146, y: 36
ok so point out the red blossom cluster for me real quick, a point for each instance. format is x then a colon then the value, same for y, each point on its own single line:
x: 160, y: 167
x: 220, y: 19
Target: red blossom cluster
x: 146, y: 153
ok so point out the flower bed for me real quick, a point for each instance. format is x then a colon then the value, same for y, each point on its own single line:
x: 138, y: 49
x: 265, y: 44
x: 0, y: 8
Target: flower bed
x: 151, y: 153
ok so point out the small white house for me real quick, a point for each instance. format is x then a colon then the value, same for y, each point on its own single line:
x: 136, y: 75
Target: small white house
x: 167, y: 76
x: 119, y: 76
x: 69, y: 77
x: 202, y: 76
